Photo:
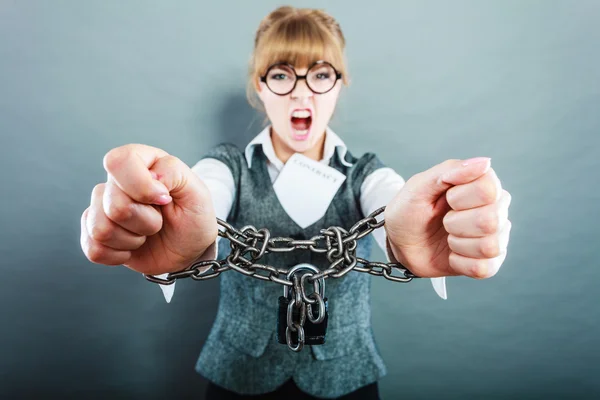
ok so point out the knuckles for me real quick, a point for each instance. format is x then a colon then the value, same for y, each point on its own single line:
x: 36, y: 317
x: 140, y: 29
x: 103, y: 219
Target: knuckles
x: 98, y: 190
x: 95, y: 253
x: 113, y: 159
x: 489, y: 247
x: 447, y: 220
x: 488, y: 221
x: 487, y: 193
x: 482, y: 269
x: 119, y: 212
x: 100, y: 233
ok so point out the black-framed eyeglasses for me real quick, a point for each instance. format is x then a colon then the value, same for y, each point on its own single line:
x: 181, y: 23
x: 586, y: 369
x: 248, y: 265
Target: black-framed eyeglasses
x: 281, y: 78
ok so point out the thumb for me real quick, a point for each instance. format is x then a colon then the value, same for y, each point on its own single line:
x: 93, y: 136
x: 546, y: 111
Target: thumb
x: 429, y: 185
x: 190, y: 217
x: 184, y: 186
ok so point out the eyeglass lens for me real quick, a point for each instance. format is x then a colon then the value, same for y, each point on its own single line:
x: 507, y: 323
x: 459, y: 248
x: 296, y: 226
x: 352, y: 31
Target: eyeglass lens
x: 320, y: 78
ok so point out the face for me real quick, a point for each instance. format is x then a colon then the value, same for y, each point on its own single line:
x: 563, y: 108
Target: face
x: 298, y: 119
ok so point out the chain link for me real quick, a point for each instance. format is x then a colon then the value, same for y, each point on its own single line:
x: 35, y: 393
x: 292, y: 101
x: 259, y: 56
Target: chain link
x: 249, y: 245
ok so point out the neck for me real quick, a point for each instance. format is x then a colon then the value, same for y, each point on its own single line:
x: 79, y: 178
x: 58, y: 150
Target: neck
x: 284, y: 152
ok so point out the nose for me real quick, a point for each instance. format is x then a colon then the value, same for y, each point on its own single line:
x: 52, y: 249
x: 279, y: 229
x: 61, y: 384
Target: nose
x: 301, y: 90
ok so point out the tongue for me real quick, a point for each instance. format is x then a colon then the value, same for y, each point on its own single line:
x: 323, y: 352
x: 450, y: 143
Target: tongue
x: 301, y: 124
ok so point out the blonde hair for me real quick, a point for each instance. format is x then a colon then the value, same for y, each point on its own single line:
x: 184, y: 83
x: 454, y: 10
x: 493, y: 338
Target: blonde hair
x: 298, y: 36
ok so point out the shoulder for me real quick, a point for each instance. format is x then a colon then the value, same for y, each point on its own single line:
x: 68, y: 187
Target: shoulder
x: 224, y: 150
x: 229, y: 154
x: 362, y: 166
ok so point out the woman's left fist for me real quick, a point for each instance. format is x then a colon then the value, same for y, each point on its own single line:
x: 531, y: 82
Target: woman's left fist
x: 451, y: 220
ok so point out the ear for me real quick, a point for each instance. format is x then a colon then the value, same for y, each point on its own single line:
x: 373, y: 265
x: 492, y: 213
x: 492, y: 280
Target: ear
x: 256, y: 84
x: 259, y: 88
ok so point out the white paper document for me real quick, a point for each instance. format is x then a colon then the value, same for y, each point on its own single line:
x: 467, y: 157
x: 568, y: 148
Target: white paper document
x: 305, y: 188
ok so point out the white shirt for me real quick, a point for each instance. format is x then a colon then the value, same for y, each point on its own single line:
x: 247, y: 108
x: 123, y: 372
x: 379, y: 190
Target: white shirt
x: 376, y: 191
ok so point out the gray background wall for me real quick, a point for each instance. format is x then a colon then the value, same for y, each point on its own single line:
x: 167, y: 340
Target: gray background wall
x: 518, y: 81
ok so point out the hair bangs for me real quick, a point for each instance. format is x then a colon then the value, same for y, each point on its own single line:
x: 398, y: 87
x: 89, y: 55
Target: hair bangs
x: 299, y: 42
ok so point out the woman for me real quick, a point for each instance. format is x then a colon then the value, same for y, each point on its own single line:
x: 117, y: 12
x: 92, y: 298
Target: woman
x: 155, y: 215
x: 296, y: 73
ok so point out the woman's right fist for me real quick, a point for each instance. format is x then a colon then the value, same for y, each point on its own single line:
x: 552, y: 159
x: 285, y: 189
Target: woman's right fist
x: 153, y: 214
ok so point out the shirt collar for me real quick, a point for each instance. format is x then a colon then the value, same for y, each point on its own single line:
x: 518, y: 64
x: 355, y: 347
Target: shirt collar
x: 333, y: 144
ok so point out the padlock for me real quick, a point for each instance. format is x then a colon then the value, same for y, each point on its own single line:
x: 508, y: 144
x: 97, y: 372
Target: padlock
x: 314, y: 333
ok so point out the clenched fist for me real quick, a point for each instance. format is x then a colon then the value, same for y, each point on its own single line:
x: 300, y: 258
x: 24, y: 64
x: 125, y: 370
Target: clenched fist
x: 153, y: 214
x: 451, y: 220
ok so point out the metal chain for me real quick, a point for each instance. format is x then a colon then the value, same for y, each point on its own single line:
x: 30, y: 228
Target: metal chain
x: 295, y: 301
x: 249, y: 245
x: 300, y: 300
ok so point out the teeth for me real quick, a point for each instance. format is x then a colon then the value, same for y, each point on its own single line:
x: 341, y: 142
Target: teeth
x: 301, y: 114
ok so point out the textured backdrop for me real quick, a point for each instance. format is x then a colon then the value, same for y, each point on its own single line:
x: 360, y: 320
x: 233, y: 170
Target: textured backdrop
x: 518, y: 81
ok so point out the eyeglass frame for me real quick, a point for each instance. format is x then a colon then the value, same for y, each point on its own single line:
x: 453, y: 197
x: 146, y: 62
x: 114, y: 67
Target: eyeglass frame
x: 338, y: 76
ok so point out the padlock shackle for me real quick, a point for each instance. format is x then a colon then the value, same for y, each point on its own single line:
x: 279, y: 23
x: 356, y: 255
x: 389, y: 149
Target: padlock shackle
x: 308, y: 267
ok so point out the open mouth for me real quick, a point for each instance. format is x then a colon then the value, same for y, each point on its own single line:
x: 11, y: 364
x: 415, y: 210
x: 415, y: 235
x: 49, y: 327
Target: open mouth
x: 301, y: 121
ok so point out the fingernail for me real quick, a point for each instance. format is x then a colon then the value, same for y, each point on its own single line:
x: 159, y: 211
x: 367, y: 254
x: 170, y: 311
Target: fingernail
x: 160, y: 188
x: 164, y: 199
x: 475, y: 160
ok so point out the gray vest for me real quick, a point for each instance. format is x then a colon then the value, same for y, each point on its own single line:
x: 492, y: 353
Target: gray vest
x: 242, y: 353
